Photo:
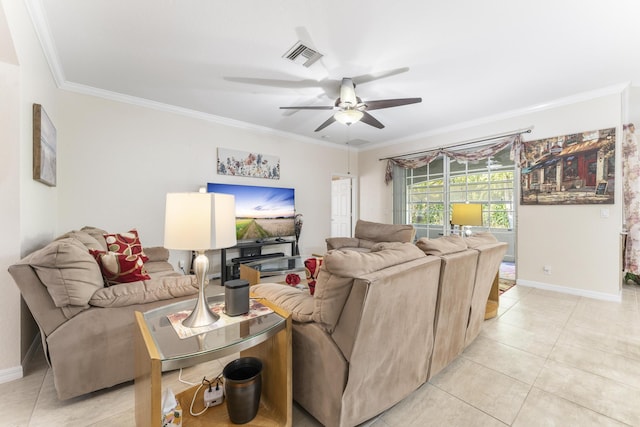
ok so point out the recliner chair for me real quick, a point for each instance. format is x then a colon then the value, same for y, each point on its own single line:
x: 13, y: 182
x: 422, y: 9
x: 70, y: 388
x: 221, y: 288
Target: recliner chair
x: 369, y: 233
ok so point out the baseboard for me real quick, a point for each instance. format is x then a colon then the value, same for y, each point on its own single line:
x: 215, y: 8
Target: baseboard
x: 571, y: 291
x: 10, y: 374
x: 17, y: 372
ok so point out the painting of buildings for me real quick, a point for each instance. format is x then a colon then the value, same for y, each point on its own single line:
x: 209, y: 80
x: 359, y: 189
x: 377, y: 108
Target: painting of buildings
x: 570, y: 169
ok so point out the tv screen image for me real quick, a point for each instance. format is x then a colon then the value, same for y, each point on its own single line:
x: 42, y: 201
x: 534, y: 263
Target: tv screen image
x: 261, y: 212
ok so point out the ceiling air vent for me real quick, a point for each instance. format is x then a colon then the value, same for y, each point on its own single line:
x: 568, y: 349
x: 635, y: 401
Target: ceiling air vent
x: 301, y: 54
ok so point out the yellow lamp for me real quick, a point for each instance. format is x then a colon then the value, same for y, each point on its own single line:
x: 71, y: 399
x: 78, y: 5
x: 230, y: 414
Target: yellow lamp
x: 466, y: 214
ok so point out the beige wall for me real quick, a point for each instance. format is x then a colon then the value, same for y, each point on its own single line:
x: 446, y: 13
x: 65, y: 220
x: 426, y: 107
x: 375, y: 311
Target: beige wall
x: 117, y: 161
x: 580, y: 246
x: 10, y: 201
x: 31, y: 207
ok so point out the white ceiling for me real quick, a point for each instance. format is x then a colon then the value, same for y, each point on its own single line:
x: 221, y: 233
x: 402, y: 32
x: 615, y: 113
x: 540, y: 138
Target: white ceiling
x: 469, y: 60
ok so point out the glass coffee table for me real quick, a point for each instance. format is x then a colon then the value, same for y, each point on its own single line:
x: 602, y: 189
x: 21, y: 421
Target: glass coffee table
x: 159, y: 348
x: 279, y: 266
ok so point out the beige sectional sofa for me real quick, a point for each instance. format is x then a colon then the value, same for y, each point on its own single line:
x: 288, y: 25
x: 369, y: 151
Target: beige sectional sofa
x: 358, y: 343
x: 383, y: 321
x: 469, y: 267
x: 87, y: 328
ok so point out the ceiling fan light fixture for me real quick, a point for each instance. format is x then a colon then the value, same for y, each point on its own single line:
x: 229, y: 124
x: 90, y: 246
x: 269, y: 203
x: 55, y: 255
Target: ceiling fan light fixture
x: 348, y: 117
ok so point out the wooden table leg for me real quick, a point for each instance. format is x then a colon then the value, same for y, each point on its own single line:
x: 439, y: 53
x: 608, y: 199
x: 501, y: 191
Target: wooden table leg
x: 494, y: 299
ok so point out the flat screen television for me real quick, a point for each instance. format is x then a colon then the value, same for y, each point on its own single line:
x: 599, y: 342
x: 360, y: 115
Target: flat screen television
x: 261, y: 212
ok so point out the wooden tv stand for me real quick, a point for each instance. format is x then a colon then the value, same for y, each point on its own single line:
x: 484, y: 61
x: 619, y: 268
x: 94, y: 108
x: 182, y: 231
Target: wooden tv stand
x: 249, y: 251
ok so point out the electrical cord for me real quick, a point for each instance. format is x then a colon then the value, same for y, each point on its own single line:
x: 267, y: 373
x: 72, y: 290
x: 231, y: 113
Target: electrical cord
x: 184, y: 381
x: 194, y: 399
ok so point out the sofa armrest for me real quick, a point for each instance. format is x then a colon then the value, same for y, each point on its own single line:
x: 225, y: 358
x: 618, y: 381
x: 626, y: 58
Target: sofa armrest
x: 296, y: 301
x: 157, y: 253
x: 342, y: 242
x: 35, y: 294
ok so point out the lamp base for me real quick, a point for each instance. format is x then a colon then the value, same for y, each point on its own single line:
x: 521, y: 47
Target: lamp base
x: 201, y: 314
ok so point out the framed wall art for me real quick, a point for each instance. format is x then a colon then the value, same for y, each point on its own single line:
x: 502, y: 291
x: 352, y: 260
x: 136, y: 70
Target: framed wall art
x: 242, y: 163
x: 570, y: 169
x: 44, y: 147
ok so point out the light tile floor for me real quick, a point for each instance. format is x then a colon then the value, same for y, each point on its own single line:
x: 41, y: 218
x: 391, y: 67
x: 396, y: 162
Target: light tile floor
x: 548, y: 359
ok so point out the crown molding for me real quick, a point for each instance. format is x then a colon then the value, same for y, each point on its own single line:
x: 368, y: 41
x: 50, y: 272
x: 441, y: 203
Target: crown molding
x: 35, y: 9
x: 560, y: 102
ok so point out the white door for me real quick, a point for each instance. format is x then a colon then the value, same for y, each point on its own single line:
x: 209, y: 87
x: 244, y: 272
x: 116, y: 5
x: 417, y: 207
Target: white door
x: 341, y: 207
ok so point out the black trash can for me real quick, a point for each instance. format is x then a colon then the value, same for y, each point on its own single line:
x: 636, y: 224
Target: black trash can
x: 242, y: 388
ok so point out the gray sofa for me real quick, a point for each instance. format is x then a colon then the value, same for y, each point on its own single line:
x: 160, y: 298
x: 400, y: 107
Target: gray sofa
x: 87, y: 328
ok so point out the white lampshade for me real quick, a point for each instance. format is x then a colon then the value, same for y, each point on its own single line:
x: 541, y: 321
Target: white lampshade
x: 199, y: 221
x: 347, y: 117
x: 466, y: 214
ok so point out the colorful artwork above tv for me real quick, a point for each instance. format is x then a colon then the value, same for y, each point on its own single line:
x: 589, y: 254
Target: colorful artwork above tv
x: 261, y: 212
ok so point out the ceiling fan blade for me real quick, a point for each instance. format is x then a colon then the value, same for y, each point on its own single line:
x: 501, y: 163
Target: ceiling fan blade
x: 366, y: 78
x: 371, y: 121
x: 388, y: 103
x: 326, y: 123
x: 309, y: 107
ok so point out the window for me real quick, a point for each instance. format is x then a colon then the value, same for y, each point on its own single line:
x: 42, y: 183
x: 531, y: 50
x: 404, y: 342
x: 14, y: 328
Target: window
x: 425, y: 201
x: 423, y: 196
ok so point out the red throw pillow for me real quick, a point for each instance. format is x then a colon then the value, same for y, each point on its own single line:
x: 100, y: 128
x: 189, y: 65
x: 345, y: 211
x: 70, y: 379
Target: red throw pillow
x: 312, y: 267
x: 126, y: 243
x: 120, y: 268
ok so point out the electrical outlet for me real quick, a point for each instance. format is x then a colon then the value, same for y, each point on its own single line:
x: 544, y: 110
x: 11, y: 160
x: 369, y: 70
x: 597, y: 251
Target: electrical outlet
x: 547, y: 269
x: 181, y: 264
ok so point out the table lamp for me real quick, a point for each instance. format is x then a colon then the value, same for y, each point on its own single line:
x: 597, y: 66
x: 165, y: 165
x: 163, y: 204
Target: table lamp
x: 465, y: 215
x: 198, y: 222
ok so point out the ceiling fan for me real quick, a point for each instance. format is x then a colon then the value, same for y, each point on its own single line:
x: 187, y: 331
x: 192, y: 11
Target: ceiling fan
x: 350, y: 108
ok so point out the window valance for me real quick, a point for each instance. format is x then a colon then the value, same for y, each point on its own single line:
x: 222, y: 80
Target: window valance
x: 458, y: 154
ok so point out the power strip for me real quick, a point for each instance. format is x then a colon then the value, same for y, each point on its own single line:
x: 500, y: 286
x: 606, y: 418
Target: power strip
x: 213, y: 396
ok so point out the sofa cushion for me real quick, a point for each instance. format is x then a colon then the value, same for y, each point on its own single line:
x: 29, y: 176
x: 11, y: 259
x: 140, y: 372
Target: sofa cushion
x: 126, y: 243
x: 341, y: 242
x: 442, y: 245
x: 69, y: 272
x: 98, y: 234
x: 385, y: 245
x: 379, y: 232
x: 355, y: 264
x: 479, y: 239
x: 145, y: 291
x: 120, y: 268
x: 296, y: 301
x: 339, y: 270
x: 85, y: 238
